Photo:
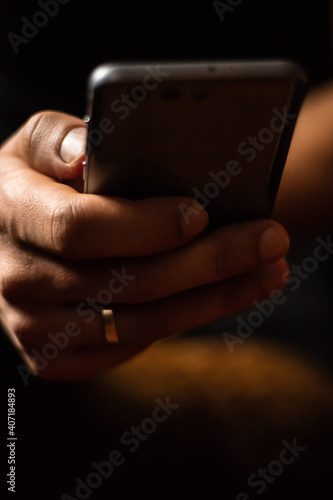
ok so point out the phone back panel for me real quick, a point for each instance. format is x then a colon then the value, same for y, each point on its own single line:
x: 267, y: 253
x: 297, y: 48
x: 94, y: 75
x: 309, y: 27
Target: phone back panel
x: 220, y: 137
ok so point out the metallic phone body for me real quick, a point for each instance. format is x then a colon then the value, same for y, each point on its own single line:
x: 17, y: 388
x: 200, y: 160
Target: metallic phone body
x: 215, y: 131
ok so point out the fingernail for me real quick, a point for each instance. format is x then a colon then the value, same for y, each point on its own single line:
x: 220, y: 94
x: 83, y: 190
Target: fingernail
x: 73, y: 144
x: 194, y: 218
x: 274, y: 243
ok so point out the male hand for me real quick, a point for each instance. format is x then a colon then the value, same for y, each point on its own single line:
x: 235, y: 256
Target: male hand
x: 64, y: 255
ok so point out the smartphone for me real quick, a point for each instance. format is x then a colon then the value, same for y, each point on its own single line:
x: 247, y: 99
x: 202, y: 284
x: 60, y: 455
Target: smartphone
x: 216, y: 131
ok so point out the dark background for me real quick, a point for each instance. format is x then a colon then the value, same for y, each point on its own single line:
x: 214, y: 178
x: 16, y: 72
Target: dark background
x: 207, y: 451
x: 52, y: 68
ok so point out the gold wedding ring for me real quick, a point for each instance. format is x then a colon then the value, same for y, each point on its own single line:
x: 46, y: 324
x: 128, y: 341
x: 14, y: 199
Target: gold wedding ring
x: 110, y: 330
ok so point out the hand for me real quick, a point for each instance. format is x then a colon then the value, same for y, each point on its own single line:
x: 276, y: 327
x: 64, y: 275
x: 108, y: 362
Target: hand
x: 65, y: 254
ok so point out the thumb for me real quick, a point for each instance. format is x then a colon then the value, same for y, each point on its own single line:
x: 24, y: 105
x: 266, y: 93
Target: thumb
x: 52, y: 143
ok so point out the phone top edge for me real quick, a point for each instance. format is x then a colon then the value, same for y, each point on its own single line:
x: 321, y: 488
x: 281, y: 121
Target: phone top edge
x: 174, y: 71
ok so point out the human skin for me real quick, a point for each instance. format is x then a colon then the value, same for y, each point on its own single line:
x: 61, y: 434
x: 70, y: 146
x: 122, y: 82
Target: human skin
x: 304, y: 202
x: 60, y: 247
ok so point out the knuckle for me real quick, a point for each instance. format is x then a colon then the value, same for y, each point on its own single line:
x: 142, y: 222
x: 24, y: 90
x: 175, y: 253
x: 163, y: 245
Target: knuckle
x: 27, y: 336
x: 35, y: 129
x: 24, y: 328
x: 14, y: 285
x: 64, y: 227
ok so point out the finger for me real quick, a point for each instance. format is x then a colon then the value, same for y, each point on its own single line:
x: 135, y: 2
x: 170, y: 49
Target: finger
x: 46, y: 332
x: 54, y: 344
x: 52, y: 143
x: 141, y: 324
x: 41, y: 212
x: 228, y: 251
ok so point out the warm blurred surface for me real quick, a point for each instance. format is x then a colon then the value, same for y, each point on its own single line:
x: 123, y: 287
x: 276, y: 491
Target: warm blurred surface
x: 235, y: 411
